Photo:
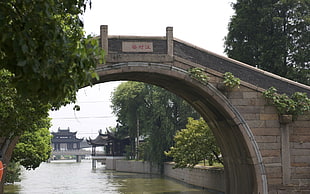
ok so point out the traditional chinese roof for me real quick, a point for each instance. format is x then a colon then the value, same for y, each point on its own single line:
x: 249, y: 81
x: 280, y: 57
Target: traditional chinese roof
x: 64, y: 132
x: 65, y: 136
x: 104, y: 139
x: 101, y: 139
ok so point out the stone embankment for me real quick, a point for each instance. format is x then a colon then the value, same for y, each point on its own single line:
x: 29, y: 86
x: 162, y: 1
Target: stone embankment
x: 206, y: 177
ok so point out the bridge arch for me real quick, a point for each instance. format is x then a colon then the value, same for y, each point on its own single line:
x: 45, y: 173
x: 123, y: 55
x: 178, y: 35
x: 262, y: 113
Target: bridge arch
x: 244, y: 171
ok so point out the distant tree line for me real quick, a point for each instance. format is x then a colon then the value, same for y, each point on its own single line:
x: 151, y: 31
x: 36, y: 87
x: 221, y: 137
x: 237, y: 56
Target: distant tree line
x: 156, y: 115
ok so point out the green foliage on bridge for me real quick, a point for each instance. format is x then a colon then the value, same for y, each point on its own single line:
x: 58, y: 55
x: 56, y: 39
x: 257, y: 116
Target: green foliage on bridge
x: 230, y: 80
x: 194, y: 144
x: 296, y: 104
x: 273, y: 36
x: 199, y: 74
x: 150, y: 112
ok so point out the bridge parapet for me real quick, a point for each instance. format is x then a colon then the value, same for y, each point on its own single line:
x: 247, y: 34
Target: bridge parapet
x: 137, y: 48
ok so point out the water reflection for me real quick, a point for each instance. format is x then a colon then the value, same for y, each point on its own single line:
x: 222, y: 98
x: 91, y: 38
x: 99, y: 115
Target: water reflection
x: 68, y: 177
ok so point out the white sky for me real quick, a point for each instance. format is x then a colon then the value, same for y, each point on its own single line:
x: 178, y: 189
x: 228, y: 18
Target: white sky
x: 199, y: 22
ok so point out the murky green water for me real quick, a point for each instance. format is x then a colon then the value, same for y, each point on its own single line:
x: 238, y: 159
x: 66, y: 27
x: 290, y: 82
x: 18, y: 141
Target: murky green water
x: 68, y: 177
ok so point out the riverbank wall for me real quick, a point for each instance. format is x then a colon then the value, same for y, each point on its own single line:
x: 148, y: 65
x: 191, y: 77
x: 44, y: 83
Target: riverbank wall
x: 205, y: 177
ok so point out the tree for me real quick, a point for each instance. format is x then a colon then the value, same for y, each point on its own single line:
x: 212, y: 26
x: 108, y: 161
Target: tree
x: 17, y: 114
x: 13, y: 173
x: 194, y: 144
x: 152, y: 112
x: 42, y: 47
x: 21, y: 117
x: 44, y: 51
x: 165, y: 114
x: 126, y: 101
x: 272, y: 35
x: 34, y: 148
x: 42, y: 43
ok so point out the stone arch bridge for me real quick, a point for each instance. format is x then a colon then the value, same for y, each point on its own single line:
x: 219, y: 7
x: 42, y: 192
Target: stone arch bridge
x: 262, y: 154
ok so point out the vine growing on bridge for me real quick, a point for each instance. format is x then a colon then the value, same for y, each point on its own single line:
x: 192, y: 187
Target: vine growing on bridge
x: 199, y: 74
x: 230, y: 80
x: 297, y: 104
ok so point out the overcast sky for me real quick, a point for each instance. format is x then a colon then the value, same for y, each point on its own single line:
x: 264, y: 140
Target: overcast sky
x: 199, y: 22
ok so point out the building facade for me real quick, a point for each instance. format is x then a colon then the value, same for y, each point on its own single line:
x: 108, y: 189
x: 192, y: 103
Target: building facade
x: 64, y: 140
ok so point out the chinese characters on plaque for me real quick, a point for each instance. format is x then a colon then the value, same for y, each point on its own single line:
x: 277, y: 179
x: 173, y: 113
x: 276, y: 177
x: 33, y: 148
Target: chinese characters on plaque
x: 137, y: 47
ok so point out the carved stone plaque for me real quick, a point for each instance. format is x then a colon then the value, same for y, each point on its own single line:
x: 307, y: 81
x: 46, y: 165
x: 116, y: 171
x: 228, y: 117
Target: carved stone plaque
x: 137, y: 47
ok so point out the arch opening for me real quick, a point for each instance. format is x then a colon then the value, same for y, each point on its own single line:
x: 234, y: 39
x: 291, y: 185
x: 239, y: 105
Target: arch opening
x: 244, y: 172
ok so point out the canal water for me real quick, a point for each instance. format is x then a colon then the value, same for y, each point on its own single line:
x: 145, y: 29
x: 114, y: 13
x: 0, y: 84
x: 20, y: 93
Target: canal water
x: 69, y: 177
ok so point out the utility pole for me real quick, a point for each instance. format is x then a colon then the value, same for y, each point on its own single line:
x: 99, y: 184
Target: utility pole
x: 137, y: 138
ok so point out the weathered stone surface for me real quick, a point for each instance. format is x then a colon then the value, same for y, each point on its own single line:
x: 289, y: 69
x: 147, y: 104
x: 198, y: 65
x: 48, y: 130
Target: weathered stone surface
x: 270, y: 153
x: 268, y: 138
x: 250, y: 94
x: 211, y: 178
x: 266, y: 131
x: 274, y: 171
x: 300, y: 152
x: 269, y: 116
x: 300, y: 138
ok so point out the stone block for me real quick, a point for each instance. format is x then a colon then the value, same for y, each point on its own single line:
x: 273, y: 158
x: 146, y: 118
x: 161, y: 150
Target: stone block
x: 265, y: 131
x: 300, y: 152
x: 243, y: 102
x: 302, y: 170
x: 270, y: 146
x: 305, y: 117
x: 274, y: 171
x: 301, y: 159
x: 300, y: 176
x: 250, y: 109
x: 270, y: 109
x: 272, y: 160
x: 251, y: 116
x: 260, y: 102
x: 302, y: 184
x: 236, y: 95
x: 274, y: 181
x: 267, y: 138
x: 271, y: 153
x: 301, y: 130
x: 304, y: 164
x: 270, y: 116
x: 256, y: 124
x: 300, y: 138
x: 272, y: 123
x: 301, y: 124
x: 301, y: 145
x: 250, y: 94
